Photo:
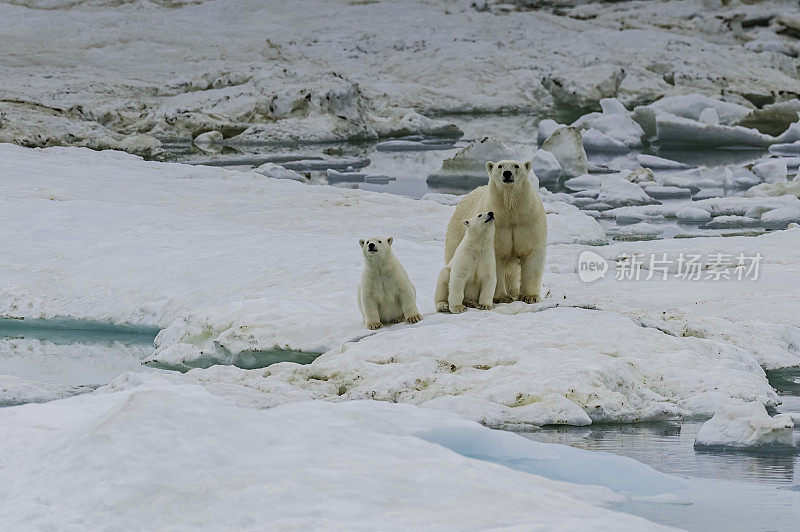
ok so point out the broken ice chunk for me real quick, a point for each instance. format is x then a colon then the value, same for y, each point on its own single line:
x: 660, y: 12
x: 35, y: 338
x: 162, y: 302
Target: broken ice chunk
x: 743, y: 425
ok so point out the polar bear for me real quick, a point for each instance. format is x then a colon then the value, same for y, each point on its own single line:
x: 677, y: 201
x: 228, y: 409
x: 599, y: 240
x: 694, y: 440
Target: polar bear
x: 520, y: 238
x: 385, y: 294
x: 468, y: 280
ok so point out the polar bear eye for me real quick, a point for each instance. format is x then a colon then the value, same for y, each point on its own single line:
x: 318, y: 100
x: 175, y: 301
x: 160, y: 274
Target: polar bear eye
x: 379, y: 241
x: 516, y: 166
x: 480, y: 215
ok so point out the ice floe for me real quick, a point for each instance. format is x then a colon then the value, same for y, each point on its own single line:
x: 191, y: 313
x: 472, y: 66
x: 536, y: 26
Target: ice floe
x: 747, y: 425
x: 773, y: 171
x: 613, y: 130
x: 276, y: 171
x: 468, y: 166
x: 161, y: 447
x: 17, y: 391
x: 238, y: 265
x: 566, y: 144
x: 660, y: 163
x: 313, y: 81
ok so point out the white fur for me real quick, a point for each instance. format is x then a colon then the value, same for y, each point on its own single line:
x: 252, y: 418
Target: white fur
x: 469, y: 279
x: 520, y: 230
x: 385, y: 294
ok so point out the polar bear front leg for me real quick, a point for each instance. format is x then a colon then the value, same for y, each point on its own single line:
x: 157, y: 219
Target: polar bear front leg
x: 372, y: 317
x: 487, y: 292
x: 532, y: 268
x: 500, y: 291
x: 440, y: 296
x: 408, y: 302
x: 455, y: 298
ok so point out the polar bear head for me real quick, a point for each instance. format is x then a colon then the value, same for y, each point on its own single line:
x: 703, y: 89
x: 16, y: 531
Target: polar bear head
x: 378, y: 246
x: 481, y: 224
x: 508, y: 173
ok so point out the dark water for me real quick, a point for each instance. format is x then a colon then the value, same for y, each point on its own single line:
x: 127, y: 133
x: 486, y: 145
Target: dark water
x: 728, y: 491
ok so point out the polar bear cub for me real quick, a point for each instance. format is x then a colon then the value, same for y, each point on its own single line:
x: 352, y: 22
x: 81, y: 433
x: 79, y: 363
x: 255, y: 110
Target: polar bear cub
x: 469, y: 278
x: 385, y: 294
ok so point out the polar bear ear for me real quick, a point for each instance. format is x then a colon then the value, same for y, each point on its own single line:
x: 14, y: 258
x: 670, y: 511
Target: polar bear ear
x: 361, y: 242
x: 466, y: 223
x: 489, y: 166
x: 390, y: 240
x: 527, y: 165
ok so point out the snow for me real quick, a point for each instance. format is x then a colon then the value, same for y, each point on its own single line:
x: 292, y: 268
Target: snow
x: 742, y: 425
x: 771, y: 171
x: 468, y: 165
x: 273, y: 75
x: 208, y: 139
x: 597, y: 141
x: 660, y: 163
x: 692, y: 106
x: 775, y: 189
x: 545, y: 166
x: 792, y: 148
x: 491, y: 366
x: 276, y: 171
x: 16, y: 391
x: 782, y: 216
x: 232, y: 265
x: 693, y: 214
x: 613, y: 130
x: 153, y: 453
x: 268, y: 259
x: 667, y: 192
x: 567, y: 146
x: 674, y: 130
x: 619, y: 191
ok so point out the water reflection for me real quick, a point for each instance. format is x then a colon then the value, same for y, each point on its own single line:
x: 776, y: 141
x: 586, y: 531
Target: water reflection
x: 669, y: 448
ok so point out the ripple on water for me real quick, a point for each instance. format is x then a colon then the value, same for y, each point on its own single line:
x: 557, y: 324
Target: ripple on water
x: 728, y: 490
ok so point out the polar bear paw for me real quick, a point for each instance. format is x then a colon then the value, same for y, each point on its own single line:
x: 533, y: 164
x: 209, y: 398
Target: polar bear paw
x: 373, y: 326
x: 503, y: 299
x: 458, y: 309
x: 442, y: 306
x: 471, y: 304
x: 531, y: 298
x: 413, y: 319
x: 483, y: 307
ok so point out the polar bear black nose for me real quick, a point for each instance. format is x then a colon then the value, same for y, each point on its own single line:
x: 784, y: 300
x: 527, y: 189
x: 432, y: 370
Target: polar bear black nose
x: 507, y: 174
x: 371, y: 246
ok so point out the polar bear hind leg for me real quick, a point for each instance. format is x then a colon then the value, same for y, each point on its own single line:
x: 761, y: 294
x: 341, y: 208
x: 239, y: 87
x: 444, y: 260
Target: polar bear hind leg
x: 440, y: 296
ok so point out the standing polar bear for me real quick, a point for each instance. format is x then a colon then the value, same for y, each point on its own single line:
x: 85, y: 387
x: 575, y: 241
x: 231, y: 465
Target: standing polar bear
x: 468, y: 280
x: 520, y: 234
x: 385, y: 294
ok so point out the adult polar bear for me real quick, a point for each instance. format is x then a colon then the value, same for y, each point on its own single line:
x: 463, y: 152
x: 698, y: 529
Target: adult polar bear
x: 520, y: 229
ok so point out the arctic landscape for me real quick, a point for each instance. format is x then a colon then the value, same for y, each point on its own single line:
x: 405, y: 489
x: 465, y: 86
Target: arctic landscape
x: 184, y: 187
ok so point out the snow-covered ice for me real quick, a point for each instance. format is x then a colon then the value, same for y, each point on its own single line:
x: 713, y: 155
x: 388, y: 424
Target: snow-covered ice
x: 747, y: 425
x: 276, y: 171
x: 254, y: 81
x: 229, y: 263
x: 468, y: 166
x: 566, y: 144
x: 17, y: 391
x: 157, y: 452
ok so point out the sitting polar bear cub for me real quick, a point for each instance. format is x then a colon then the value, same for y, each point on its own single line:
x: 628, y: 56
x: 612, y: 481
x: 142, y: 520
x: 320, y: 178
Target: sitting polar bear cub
x: 520, y: 234
x: 468, y: 280
x: 385, y: 294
